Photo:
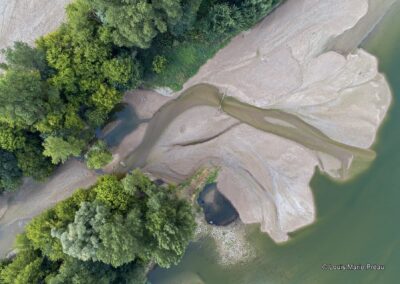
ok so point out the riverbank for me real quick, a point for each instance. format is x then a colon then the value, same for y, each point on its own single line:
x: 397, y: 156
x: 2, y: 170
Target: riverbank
x: 283, y: 64
x: 280, y: 64
x: 356, y: 221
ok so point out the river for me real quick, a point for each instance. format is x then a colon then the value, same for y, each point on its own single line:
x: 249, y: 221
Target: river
x: 274, y: 121
x: 357, y: 220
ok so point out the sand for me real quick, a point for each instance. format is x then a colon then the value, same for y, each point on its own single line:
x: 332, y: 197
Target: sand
x: 33, y: 197
x: 26, y: 20
x: 289, y: 62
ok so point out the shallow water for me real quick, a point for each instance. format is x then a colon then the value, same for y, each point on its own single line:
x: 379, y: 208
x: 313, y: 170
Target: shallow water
x: 217, y: 209
x: 122, y: 122
x: 357, y: 221
x: 274, y: 121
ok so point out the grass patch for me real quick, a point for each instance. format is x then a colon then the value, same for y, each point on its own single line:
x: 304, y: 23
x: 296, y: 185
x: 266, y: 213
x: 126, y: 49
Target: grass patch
x: 186, y: 55
x: 183, y: 62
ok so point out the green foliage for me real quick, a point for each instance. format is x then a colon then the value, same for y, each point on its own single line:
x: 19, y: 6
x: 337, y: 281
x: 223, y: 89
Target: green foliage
x: 110, y: 233
x: 170, y: 222
x: 25, y: 268
x: 184, y: 60
x: 253, y: 10
x: 59, y: 150
x: 222, y: 19
x: 10, y: 174
x: 22, y: 97
x: 159, y: 64
x: 22, y: 56
x: 135, y: 22
x: 98, y: 235
x: 200, y: 33
x: 10, y: 138
x: 212, y: 178
x: 31, y: 160
x: 98, y: 155
x: 109, y: 191
x: 122, y: 72
x: 188, y: 19
x: 105, y: 98
x: 80, y: 239
x: 39, y: 229
x: 136, y: 182
x: 29, y: 266
x: 73, y: 271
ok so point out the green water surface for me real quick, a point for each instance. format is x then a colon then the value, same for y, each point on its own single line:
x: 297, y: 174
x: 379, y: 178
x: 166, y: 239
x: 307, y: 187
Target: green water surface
x: 358, y: 221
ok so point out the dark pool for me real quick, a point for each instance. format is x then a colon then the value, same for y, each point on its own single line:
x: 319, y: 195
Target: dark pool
x: 217, y: 209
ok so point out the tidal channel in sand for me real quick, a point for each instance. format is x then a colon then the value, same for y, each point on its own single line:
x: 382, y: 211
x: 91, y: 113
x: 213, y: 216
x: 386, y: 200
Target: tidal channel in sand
x: 273, y: 121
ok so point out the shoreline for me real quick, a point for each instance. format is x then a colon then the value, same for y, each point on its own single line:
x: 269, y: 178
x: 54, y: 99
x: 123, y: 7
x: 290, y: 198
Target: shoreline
x: 248, y: 181
x: 344, y: 96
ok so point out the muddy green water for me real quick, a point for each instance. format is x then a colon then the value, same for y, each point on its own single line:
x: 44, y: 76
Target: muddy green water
x: 273, y: 121
x: 358, y: 221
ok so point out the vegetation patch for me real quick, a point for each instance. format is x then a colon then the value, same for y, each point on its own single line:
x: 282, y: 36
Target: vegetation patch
x: 55, y: 95
x: 111, y: 233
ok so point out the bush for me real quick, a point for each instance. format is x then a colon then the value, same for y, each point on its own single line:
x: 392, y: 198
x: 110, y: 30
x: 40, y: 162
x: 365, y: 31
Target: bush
x: 159, y: 64
x: 98, y: 156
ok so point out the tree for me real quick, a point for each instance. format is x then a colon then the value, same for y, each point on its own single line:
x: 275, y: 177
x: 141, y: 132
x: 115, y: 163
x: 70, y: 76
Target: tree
x: 170, y: 222
x: 38, y: 231
x: 159, y: 63
x: 80, y: 240
x: 22, y: 56
x: 10, y: 138
x: 27, y: 267
x: 110, y: 233
x: 10, y: 174
x: 31, y: 160
x: 23, y: 97
x: 135, y: 22
x: 98, y: 155
x: 188, y: 19
x: 105, y: 98
x: 109, y: 191
x: 222, y: 19
x: 74, y: 271
x: 97, y: 235
x: 59, y: 150
x: 253, y: 10
x: 122, y: 72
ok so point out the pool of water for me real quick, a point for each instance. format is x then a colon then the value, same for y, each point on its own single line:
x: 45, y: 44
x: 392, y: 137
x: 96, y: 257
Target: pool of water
x: 357, y: 221
x: 217, y: 209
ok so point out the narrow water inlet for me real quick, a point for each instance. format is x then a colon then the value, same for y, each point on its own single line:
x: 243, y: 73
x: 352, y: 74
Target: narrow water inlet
x: 274, y: 121
x: 123, y: 121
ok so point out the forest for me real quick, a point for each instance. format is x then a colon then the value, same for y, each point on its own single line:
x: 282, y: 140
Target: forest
x: 113, y: 232
x: 55, y: 95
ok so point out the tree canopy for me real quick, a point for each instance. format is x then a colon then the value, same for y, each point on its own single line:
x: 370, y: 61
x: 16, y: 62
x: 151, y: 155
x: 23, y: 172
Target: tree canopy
x: 98, y: 155
x: 136, y: 22
x: 108, y: 233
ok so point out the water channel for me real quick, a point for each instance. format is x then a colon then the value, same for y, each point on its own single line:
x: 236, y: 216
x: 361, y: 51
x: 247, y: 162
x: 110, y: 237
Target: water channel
x: 357, y: 220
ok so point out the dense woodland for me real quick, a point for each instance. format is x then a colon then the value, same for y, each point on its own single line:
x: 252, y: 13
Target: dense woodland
x: 111, y: 233
x: 54, y: 96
